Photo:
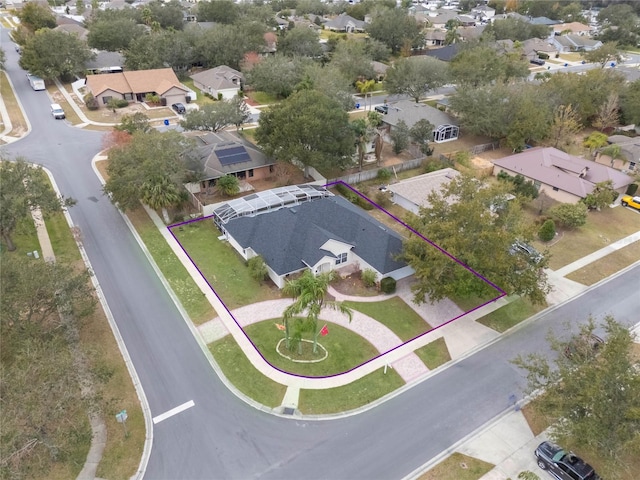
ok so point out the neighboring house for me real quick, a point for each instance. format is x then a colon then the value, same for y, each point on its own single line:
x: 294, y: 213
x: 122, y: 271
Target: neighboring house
x: 483, y: 13
x: 412, y: 193
x: 573, y: 28
x: 471, y: 32
x: 105, y: 62
x: 629, y: 149
x: 380, y: 69
x: 440, y: 21
x: 561, y: 176
x: 73, y: 29
x: 532, y: 47
x: 434, y: 38
x: 445, y: 127
x: 345, y: 23
x: 135, y: 85
x: 225, y: 153
x: 305, y: 227
x: 543, y: 21
x: 575, y: 43
x: 219, y: 80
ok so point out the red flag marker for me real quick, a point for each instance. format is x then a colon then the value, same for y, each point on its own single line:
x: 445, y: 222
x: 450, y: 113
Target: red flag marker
x: 279, y: 326
x: 324, y: 331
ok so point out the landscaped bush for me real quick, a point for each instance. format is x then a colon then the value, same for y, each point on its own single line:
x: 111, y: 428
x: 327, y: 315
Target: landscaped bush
x: 521, y: 186
x: 543, y: 56
x: 257, y: 268
x: 388, y: 285
x: 152, y: 99
x: 121, y: 103
x: 382, y: 199
x: 368, y: 277
x: 353, y: 197
x: 632, y: 189
x: 91, y: 102
x: 548, y: 231
x: 384, y: 175
x: 570, y: 215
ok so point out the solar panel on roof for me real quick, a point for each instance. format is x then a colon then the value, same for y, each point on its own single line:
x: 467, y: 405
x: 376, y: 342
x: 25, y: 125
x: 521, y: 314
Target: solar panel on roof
x: 230, y: 156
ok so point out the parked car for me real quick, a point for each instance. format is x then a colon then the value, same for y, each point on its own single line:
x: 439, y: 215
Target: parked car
x: 57, y: 111
x: 563, y: 465
x: 383, y: 109
x: 537, y: 61
x: 36, y: 82
x: 179, y: 108
x: 522, y: 248
x: 629, y: 201
x: 583, y: 345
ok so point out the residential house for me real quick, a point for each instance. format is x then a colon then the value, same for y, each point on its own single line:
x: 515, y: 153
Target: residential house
x: 105, y: 62
x: 445, y: 53
x: 219, y: 81
x: 380, y: 70
x: 226, y: 153
x: 483, y: 13
x: 73, y: 29
x: 470, y: 32
x: 563, y: 177
x: 434, y: 38
x: 629, y: 150
x: 575, y: 43
x: 440, y: 21
x: 445, y: 127
x: 135, y: 85
x: 573, y: 28
x: 305, y: 227
x: 345, y: 23
x: 533, y: 47
x: 413, y: 193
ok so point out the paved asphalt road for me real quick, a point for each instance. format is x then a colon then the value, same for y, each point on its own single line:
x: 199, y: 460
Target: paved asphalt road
x: 221, y: 437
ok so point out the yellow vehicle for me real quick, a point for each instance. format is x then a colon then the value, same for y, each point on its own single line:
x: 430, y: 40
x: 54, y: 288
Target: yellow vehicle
x: 629, y: 201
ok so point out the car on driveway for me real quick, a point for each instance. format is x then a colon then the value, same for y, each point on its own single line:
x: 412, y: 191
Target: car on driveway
x: 563, y: 465
x: 629, y: 201
x: 179, y: 108
x: 521, y: 248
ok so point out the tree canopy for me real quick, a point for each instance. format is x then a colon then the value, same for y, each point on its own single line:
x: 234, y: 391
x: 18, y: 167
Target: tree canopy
x: 214, y: 117
x: 113, y: 35
x: 591, y: 395
x: 35, y: 16
x: 515, y: 29
x: 277, y: 75
x: 22, y: 188
x: 483, y: 64
x: 474, y: 223
x: 53, y: 54
x: 307, y: 128
x: 396, y: 29
x: 152, y: 167
x: 302, y: 42
x: 416, y: 76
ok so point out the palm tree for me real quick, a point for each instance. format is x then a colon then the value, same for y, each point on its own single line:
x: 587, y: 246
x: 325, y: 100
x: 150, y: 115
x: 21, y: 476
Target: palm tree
x: 364, y: 87
x: 363, y: 132
x: 309, y: 292
x: 162, y: 193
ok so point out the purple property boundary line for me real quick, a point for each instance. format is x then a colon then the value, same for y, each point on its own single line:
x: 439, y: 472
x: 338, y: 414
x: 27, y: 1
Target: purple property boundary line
x: 502, y: 292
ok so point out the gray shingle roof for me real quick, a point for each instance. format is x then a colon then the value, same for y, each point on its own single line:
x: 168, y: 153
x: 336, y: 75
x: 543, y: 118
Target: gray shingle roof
x: 411, y: 112
x: 290, y: 239
x: 559, y: 169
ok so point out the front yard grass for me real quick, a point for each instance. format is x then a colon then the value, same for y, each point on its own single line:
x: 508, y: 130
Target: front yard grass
x: 193, y: 300
x: 346, y: 349
x: 434, y: 354
x: 607, y: 266
x: 602, y: 228
x: 262, y: 98
x: 221, y: 265
x: 244, y: 376
x: 458, y: 467
x: 395, y: 314
x: 348, y: 397
x: 18, y: 122
x: 510, y: 315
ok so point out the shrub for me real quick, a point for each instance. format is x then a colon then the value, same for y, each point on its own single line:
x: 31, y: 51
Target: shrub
x: 368, y: 277
x: 257, y: 268
x: 570, y: 215
x: 384, y: 174
x: 91, y: 102
x: 382, y: 199
x: 121, y: 103
x: 543, y: 56
x: 151, y: 98
x: 219, y: 96
x: 228, y: 185
x: 388, y: 285
x: 353, y: 197
x: 548, y: 231
x: 632, y: 189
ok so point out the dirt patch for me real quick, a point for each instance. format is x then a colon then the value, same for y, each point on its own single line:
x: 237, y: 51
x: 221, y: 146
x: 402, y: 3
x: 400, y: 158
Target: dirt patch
x: 353, y: 285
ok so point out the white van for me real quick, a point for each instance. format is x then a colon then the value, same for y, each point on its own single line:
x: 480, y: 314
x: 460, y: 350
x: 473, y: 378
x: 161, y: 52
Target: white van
x: 57, y: 111
x: 36, y: 82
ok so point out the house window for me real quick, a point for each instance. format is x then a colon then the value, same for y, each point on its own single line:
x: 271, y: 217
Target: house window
x: 106, y: 100
x: 270, y: 168
x: 128, y: 96
x: 251, y: 173
x: 632, y: 165
x: 555, y: 189
x: 342, y: 258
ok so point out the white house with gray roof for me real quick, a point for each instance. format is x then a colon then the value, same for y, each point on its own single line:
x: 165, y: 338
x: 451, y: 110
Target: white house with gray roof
x: 413, y: 193
x: 445, y: 127
x: 317, y: 231
x: 221, y: 80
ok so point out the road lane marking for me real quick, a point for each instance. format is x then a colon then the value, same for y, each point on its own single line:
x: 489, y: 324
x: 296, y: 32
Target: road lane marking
x: 173, y: 411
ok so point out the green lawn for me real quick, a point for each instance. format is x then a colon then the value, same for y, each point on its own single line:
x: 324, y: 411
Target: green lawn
x: 346, y: 349
x: 458, y: 467
x: 64, y: 246
x: 193, y: 300
x: 395, y: 314
x: 24, y: 238
x: 244, y: 376
x: 434, y: 354
x: 262, y: 98
x: 201, y: 100
x: 511, y: 314
x: 356, y: 394
x: 221, y: 265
